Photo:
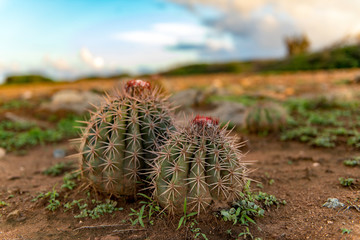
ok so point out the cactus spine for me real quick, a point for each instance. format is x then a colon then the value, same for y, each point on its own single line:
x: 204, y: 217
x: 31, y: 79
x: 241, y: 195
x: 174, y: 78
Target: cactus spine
x: 201, y: 163
x: 117, y: 143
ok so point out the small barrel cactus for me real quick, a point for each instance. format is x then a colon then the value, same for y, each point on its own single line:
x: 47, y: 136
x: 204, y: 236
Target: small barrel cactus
x: 201, y: 163
x: 265, y: 117
x: 117, y: 144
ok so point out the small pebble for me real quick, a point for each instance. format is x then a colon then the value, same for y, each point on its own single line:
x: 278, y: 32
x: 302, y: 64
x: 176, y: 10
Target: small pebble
x: 2, y: 153
x: 59, y: 153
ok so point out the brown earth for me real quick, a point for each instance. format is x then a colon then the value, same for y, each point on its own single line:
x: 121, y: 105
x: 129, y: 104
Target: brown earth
x: 303, y: 176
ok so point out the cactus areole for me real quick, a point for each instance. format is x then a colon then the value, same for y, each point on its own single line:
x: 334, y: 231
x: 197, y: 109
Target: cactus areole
x: 201, y: 163
x: 118, y: 141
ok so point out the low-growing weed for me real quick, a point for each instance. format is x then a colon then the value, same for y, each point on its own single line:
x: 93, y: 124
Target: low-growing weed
x: 346, y: 182
x: 3, y: 204
x: 352, y: 162
x: 99, y: 210
x: 58, y: 169
x: 345, y: 231
x: 69, y: 178
x: 186, y: 216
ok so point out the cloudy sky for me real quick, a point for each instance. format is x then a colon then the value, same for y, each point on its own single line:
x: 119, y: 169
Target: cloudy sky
x: 66, y: 39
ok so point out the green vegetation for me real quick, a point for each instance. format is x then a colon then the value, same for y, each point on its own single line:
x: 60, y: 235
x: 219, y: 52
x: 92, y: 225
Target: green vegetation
x: 16, y: 136
x: 15, y: 104
x: 186, y: 215
x: 332, y: 58
x: 3, y: 204
x: 201, y: 68
x: 69, y: 178
x: 51, y: 196
x: 251, y: 205
x: 26, y: 79
x: 96, y: 212
x: 58, y: 169
x: 346, y: 182
x: 148, y: 209
x: 352, y: 162
x: 345, y: 231
x: 342, y: 57
x: 322, y: 122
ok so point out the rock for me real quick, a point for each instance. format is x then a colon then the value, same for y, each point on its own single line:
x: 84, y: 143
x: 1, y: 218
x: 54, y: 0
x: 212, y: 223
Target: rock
x: 2, y: 153
x: 59, y: 153
x: 229, y: 111
x: 73, y: 100
x: 187, y: 98
x: 333, y: 203
x: 15, y: 216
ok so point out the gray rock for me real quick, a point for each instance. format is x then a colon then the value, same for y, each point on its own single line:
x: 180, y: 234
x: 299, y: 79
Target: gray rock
x: 229, y: 111
x: 333, y: 203
x: 59, y: 153
x: 187, y: 98
x: 73, y: 100
x: 2, y: 153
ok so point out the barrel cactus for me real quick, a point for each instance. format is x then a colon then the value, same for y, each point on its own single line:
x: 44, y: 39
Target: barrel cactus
x: 265, y: 117
x: 117, y: 144
x: 201, y: 163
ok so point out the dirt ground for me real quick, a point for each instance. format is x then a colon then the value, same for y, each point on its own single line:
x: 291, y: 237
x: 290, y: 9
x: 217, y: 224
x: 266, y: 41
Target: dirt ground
x: 303, y: 176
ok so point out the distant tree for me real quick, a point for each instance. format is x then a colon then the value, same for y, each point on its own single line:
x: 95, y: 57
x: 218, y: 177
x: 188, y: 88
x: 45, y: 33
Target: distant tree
x: 297, y: 45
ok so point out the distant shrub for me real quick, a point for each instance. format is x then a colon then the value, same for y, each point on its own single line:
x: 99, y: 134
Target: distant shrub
x: 25, y: 79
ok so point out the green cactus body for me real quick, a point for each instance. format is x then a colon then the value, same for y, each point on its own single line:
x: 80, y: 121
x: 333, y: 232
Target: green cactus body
x: 265, y: 117
x: 201, y: 163
x: 118, y: 143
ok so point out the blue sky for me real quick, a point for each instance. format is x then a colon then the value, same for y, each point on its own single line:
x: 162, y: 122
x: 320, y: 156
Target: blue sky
x: 70, y: 38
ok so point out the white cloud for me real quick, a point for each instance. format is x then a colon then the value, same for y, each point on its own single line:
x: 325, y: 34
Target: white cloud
x: 269, y: 21
x: 179, y: 36
x: 165, y: 34
x: 91, y: 60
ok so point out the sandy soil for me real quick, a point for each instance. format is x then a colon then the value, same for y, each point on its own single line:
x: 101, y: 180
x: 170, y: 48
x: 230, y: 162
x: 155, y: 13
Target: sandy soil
x: 303, y: 176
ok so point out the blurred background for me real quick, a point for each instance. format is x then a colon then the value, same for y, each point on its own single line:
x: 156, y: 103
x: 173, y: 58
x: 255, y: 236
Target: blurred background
x: 68, y: 40
x: 215, y: 57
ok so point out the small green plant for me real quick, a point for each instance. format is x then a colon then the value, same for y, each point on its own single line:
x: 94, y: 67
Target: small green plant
x: 186, y: 216
x: 99, y: 210
x: 53, y: 202
x: 69, y: 182
x: 324, y: 141
x: 51, y: 196
x: 352, y: 162
x: 58, y: 169
x: 271, y: 181
x: 197, y: 231
x: 345, y: 231
x: 139, y: 216
x: 346, y: 182
x: 245, y: 234
x: 151, y: 207
x: 3, y: 204
x: 268, y: 200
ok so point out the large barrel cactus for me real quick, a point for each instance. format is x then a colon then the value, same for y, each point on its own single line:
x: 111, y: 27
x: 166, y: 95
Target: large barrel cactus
x: 265, y: 117
x: 202, y: 163
x: 117, y: 144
